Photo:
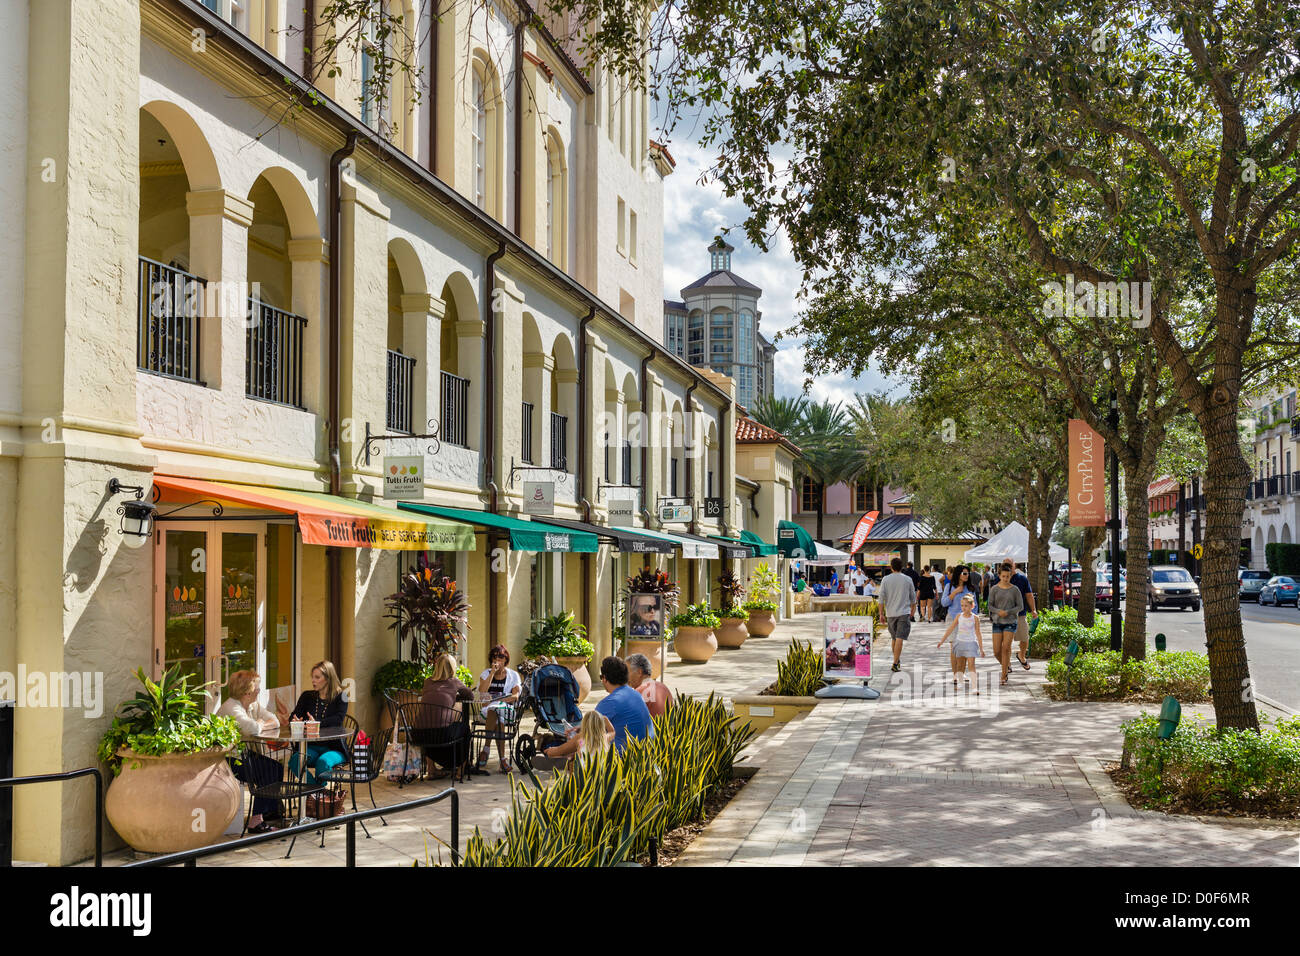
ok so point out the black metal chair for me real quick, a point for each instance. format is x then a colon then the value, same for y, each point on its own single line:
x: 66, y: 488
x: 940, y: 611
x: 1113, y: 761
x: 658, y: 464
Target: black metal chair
x: 505, y: 730
x: 395, y: 697
x: 442, y: 734
x: 364, y: 764
x: 288, y: 788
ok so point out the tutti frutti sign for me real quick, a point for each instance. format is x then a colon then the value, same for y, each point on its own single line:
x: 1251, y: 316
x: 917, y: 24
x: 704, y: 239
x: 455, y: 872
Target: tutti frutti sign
x: 404, y: 477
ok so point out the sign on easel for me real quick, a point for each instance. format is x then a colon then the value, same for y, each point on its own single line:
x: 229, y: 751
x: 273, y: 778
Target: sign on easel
x: 847, y: 651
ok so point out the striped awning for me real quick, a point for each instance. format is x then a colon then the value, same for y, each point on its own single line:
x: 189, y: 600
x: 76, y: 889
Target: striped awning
x: 329, y: 520
x: 524, y: 534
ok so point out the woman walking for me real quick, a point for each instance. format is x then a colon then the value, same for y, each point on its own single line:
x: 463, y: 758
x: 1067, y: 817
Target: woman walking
x: 968, y: 642
x: 1005, y: 605
x: 925, y: 596
x: 959, y: 584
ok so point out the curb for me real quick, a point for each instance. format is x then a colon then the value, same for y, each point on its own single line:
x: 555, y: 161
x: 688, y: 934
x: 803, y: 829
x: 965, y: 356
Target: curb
x: 1110, y: 797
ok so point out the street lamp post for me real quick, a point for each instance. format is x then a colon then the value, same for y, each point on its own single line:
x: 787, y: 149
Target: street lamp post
x: 1112, y: 419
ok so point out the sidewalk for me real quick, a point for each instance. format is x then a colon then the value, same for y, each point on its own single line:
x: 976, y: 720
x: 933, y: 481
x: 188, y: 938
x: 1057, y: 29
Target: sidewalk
x: 926, y: 776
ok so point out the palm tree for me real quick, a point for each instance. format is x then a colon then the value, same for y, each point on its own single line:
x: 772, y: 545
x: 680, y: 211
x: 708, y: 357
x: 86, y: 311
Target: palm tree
x: 830, y: 451
x: 785, y: 415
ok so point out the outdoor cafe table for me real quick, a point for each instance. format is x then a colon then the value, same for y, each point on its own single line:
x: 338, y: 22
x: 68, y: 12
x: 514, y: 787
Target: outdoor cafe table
x: 285, y: 736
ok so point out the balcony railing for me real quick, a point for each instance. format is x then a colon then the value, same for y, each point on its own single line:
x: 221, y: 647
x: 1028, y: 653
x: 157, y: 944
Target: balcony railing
x: 167, y: 328
x: 559, y: 442
x: 1276, y: 486
x: 401, y: 391
x: 454, y: 425
x: 527, y: 436
x: 627, y: 463
x: 273, y: 354
x: 1295, y: 427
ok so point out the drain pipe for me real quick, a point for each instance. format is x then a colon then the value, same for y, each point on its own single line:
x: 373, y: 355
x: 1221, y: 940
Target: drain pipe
x: 579, y: 479
x: 645, y: 436
x: 333, y: 558
x: 436, y: 18
x: 689, y: 463
x: 489, y: 430
x: 519, y: 125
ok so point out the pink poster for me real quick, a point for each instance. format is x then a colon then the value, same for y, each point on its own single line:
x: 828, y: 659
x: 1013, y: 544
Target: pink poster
x: 848, y: 647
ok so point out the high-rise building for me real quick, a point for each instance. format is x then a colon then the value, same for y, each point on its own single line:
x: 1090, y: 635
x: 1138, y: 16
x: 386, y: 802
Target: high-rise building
x: 715, y: 326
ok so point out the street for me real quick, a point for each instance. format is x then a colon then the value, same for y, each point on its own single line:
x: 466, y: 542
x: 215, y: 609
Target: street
x: 1272, y: 645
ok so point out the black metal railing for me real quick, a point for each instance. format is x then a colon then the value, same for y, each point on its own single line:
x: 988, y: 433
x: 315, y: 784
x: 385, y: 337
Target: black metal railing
x: 627, y: 463
x: 273, y: 354
x: 455, y: 410
x: 167, y: 327
x: 1295, y: 427
x: 559, y: 442
x: 401, y: 391
x: 348, y: 820
x: 526, y: 437
x: 7, y: 782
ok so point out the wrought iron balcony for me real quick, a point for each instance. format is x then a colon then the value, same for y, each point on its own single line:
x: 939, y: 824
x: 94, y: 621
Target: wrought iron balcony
x: 273, y: 354
x: 527, y: 436
x: 559, y: 442
x: 170, y: 303
x: 454, y: 425
x: 401, y: 392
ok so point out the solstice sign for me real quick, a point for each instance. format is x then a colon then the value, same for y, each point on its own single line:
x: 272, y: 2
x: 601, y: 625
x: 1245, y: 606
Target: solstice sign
x: 404, y: 477
x: 1087, y: 484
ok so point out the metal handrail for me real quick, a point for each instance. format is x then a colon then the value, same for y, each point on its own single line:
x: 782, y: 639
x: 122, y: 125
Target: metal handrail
x: 350, y: 820
x: 71, y: 775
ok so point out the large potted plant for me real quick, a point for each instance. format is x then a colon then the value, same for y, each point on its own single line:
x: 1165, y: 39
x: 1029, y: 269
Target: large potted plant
x: 172, y: 788
x: 398, y: 675
x: 731, y: 630
x: 693, y: 633
x: 650, y: 581
x: 428, y: 608
x: 764, y: 587
x: 561, y: 637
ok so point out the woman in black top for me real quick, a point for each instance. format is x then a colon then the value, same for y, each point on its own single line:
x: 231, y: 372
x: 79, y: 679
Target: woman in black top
x: 925, y: 597
x: 326, y: 704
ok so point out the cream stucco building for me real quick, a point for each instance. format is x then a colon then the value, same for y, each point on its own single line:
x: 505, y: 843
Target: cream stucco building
x: 215, y: 294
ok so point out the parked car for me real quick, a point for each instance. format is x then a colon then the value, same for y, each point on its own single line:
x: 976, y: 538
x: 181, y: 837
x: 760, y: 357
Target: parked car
x: 1104, y: 595
x: 1280, y: 590
x: 1249, y: 584
x: 1172, y: 586
x: 1103, y: 589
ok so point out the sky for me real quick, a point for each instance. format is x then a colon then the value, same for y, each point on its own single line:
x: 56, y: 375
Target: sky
x: 693, y: 215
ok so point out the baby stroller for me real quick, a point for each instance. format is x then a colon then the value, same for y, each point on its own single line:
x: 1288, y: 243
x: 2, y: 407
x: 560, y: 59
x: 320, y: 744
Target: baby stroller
x: 551, y: 694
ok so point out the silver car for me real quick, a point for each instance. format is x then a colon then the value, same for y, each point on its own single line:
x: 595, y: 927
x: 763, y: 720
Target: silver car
x: 1249, y: 584
x: 1172, y: 586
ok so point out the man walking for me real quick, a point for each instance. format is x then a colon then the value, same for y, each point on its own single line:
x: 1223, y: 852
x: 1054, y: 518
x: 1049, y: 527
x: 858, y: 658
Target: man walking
x: 916, y: 580
x: 898, y: 598
x: 859, y: 579
x: 1021, y: 580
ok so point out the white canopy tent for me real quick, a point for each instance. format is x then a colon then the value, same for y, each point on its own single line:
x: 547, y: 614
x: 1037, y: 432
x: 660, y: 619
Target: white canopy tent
x: 827, y: 557
x: 1011, y: 542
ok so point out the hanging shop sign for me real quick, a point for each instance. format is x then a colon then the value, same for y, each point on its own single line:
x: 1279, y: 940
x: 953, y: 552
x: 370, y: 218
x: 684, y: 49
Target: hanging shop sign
x: 539, y: 497
x: 621, y: 512
x: 676, y: 514
x: 712, y: 507
x: 404, y: 477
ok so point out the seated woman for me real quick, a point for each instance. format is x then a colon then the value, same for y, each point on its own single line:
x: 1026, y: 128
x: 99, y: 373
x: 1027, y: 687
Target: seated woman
x: 325, y: 703
x: 503, y: 685
x: 655, y: 693
x: 443, y: 689
x: 242, y: 691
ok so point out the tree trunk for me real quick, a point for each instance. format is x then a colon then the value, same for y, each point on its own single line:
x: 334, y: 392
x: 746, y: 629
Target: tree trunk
x: 1225, y: 500
x: 1135, y: 603
x: 1086, y: 596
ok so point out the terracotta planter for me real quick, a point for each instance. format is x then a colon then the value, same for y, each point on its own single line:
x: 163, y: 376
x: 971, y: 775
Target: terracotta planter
x: 578, y: 668
x: 695, y: 645
x: 153, y: 803
x: 761, y: 623
x: 731, y: 632
x: 655, y: 650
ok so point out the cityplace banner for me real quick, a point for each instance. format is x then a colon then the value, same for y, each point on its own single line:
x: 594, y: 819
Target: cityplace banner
x: 1087, y: 475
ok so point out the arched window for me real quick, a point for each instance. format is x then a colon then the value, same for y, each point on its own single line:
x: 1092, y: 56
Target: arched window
x: 478, y: 134
x: 557, y: 201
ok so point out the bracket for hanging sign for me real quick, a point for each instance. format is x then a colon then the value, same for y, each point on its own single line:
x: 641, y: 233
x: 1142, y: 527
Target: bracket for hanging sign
x: 601, y: 486
x: 555, y: 474
x: 373, y: 449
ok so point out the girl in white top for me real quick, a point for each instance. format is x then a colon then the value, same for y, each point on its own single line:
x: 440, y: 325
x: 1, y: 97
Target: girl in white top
x: 967, y: 643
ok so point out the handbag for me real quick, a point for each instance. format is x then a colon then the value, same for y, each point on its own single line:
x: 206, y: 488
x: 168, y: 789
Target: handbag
x: 402, y: 762
x: 328, y: 803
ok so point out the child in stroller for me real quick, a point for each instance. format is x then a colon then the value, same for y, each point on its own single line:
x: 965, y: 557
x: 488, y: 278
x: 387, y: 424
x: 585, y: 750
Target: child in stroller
x: 551, y: 696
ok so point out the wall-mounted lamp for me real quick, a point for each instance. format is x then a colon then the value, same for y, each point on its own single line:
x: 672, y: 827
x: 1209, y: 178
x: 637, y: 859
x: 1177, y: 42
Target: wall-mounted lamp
x: 137, y: 514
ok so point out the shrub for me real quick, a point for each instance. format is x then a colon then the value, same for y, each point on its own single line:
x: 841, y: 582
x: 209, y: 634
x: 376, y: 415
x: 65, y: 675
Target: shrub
x: 695, y: 615
x: 764, y: 584
x: 755, y: 604
x: 800, y: 674
x: 1282, y: 558
x: 1056, y: 629
x: 609, y: 806
x: 465, y: 675
x: 558, y: 636
x: 734, y: 613
x: 1099, y: 675
x: 400, y: 675
x: 1202, y: 767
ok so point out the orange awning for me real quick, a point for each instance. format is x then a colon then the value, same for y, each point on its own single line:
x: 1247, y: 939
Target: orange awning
x: 330, y: 520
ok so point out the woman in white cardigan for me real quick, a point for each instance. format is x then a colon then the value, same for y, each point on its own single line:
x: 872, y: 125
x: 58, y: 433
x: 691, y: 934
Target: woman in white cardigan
x: 242, y: 692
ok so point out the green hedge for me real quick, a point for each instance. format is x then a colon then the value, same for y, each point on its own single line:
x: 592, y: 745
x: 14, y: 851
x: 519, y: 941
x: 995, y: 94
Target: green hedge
x: 1057, y: 628
x: 1282, y: 558
x: 1099, y: 676
x: 608, y: 807
x: 1201, y: 767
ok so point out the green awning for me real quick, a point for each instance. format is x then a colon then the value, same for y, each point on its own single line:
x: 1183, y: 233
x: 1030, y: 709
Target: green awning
x: 524, y: 534
x: 761, y: 547
x: 794, y: 542
x: 734, y: 547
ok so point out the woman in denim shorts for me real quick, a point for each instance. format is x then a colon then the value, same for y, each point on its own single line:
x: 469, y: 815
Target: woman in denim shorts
x: 1005, y: 605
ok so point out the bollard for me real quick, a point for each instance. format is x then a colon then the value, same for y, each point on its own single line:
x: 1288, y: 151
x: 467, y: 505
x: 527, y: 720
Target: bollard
x: 1160, y: 642
x: 1071, y: 653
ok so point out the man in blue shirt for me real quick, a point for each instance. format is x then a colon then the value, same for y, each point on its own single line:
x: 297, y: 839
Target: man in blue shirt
x: 1020, y: 580
x: 624, y: 710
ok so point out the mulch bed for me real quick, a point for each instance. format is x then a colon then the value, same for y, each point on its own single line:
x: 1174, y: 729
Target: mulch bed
x: 1057, y: 692
x: 1126, y: 781
x: 675, y: 842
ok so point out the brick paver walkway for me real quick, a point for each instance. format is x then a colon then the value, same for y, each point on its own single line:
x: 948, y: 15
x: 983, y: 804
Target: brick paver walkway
x: 926, y: 776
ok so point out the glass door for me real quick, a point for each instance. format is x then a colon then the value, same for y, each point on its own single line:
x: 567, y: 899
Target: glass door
x: 182, y: 567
